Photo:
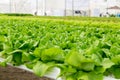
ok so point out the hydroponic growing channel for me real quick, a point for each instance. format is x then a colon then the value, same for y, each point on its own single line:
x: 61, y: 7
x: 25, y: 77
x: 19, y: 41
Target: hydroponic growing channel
x: 80, y: 49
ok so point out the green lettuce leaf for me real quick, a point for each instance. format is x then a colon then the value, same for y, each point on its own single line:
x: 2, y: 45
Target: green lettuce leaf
x: 53, y: 54
x: 81, y: 62
x: 40, y: 68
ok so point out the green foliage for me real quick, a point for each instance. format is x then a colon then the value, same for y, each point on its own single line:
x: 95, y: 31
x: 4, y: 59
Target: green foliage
x: 52, y: 54
x: 16, y: 14
x: 83, y: 50
x: 79, y: 61
x: 41, y: 68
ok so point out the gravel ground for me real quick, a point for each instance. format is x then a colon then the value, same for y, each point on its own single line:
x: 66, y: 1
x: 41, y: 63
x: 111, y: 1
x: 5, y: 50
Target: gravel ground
x: 12, y: 73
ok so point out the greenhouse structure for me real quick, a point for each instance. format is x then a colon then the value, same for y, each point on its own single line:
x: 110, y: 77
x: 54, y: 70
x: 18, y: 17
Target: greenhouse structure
x: 59, y: 39
x: 59, y: 7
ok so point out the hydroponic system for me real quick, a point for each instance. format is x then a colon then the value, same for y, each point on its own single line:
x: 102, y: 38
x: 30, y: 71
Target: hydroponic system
x: 62, y: 48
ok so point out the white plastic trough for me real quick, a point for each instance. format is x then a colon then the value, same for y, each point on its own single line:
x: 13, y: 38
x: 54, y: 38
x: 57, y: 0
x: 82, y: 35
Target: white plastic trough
x: 55, y: 72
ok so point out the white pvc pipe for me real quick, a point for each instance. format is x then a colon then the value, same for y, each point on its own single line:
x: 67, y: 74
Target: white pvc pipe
x: 53, y: 75
x: 55, y: 72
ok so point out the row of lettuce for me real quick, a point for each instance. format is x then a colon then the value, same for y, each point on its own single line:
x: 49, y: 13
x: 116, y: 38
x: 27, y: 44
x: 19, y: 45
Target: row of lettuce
x: 83, y: 50
x: 77, y: 18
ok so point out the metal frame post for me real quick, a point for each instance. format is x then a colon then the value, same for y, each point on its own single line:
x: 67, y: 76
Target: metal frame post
x: 65, y: 8
x: 45, y: 8
x: 10, y: 6
x: 72, y: 7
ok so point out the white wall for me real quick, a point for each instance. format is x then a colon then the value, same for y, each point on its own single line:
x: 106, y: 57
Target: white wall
x: 52, y: 7
x: 100, y: 6
x: 4, y: 8
x: 57, y: 7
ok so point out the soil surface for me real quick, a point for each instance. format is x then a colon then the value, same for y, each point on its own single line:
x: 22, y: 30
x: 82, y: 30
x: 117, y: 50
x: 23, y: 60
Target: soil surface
x: 13, y: 73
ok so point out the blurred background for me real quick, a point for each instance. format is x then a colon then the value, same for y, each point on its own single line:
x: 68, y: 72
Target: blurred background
x: 93, y: 8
